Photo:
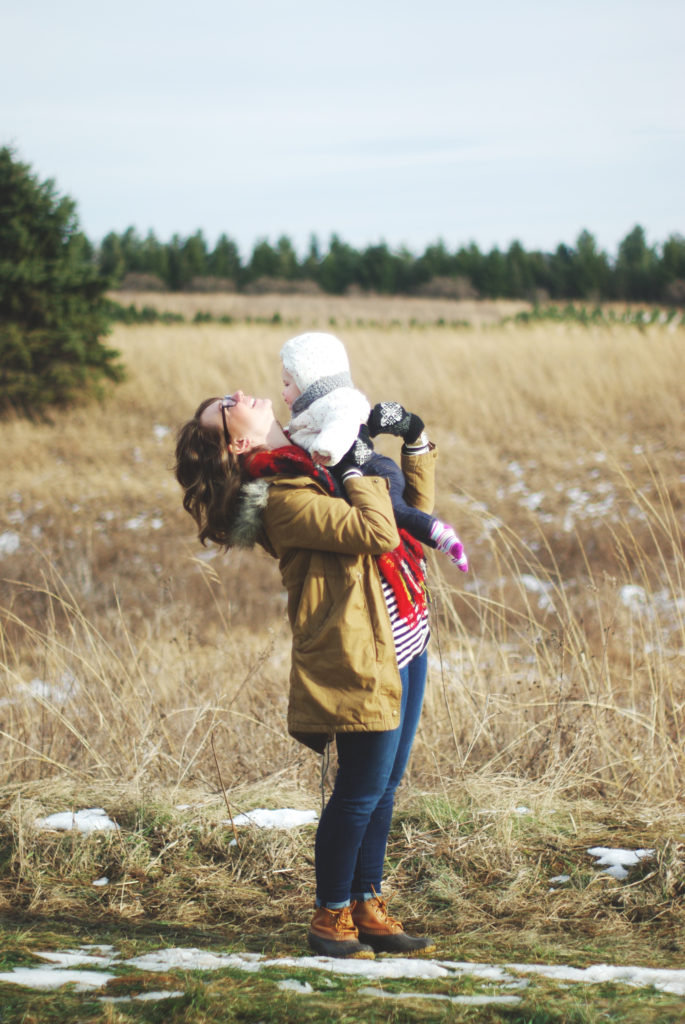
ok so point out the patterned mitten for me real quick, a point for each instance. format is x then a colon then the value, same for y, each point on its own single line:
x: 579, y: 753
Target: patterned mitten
x: 356, y: 457
x: 446, y: 540
x: 393, y: 418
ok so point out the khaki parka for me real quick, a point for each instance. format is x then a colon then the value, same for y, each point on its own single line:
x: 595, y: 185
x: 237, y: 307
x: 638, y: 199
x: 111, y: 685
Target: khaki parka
x: 344, y: 675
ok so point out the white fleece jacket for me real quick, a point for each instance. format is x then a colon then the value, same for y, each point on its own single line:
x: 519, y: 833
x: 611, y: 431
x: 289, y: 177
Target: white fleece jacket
x: 330, y: 424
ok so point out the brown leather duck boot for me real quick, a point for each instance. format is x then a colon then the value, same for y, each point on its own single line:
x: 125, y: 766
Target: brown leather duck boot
x: 333, y: 933
x: 384, y: 933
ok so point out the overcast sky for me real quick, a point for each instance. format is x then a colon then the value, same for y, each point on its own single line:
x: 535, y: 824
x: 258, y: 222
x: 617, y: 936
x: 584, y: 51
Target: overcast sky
x: 484, y: 121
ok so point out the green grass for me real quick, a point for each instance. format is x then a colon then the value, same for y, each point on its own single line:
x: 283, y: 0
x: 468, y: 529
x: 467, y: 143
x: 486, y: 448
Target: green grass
x: 475, y: 878
x: 231, y: 995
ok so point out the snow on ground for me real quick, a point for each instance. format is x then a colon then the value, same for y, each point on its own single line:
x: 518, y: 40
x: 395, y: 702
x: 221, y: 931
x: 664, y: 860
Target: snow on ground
x: 85, y: 966
x: 77, y: 966
x: 9, y: 542
x: 283, y: 818
x: 614, y: 862
x: 93, y: 819
x: 617, y: 862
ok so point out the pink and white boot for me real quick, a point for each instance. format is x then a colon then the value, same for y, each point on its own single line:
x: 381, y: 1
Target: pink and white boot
x: 446, y: 540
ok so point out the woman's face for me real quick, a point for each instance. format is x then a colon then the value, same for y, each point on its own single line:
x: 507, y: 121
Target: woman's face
x: 249, y: 419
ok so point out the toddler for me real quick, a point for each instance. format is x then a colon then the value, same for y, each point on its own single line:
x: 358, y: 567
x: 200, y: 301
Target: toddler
x: 329, y: 419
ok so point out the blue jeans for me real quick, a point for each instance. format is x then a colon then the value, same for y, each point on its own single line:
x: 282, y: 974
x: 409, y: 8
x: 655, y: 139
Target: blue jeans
x: 353, y: 829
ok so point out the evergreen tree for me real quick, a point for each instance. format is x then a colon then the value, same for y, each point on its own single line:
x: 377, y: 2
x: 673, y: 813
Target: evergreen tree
x: 495, y: 282
x: 132, y: 250
x: 224, y: 261
x: 155, y: 257
x: 340, y: 267
x: 288, y: 266
x: 312, y: 261
x: 673, y: 270
x: 195, y: 256
x: 636, y: 268
x: 53, y: 313
x: 111, y: 259
x: 591, y: 269
x: 264, y: 262
x: 179, y: 273
x: 378, y: 269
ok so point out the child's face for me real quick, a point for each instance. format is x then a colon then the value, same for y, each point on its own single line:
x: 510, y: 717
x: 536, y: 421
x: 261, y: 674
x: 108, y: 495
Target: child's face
x: 290, y: 389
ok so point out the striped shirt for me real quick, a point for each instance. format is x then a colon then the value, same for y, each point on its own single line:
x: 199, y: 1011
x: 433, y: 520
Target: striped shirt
x: 410, y: 641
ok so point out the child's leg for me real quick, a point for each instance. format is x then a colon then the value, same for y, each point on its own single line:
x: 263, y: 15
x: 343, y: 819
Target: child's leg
x: 413, y: 520
x: 425, y: 528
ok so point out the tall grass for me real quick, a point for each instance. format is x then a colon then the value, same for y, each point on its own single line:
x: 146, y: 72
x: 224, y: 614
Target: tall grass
x: 127, y: 651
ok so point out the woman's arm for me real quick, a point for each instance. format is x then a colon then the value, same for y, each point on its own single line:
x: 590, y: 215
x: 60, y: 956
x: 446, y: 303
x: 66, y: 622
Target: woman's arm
x: 298, y: 516
x: 418, y: 466
x: 419, y: 476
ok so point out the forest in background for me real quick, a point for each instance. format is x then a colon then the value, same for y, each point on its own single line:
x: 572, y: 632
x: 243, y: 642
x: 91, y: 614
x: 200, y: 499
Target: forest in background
x: 637, y: 273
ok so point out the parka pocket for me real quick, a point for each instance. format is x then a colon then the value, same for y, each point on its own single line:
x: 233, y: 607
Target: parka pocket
x: 316, y: 606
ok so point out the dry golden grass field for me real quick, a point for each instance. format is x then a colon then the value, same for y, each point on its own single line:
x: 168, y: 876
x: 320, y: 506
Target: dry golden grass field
x: 136, y: 665
x: 559, y: 658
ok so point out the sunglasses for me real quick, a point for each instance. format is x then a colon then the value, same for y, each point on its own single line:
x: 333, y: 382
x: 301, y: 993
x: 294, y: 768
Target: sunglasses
x: 227, y: 402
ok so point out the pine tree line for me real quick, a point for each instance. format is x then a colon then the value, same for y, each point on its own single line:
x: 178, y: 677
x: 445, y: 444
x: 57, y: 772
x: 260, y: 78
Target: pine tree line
x: 637, y: 273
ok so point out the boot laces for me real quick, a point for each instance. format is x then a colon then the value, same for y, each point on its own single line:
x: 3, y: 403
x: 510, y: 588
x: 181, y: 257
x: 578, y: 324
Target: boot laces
x: 382, y: 906
x: 343, y: 920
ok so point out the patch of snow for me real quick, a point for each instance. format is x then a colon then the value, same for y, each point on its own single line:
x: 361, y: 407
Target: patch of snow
x: 672, y: 981
x: 191, y: 959
x: 634, y: 598
x: 58, y: 694
x: 136, y: 523
x: 207, y: 554
x: 9, y: 542
x: 143, y: 997
x: 491, y: 523
x: 160, y: 431
x: 303, y: 988
x: 81, y: 957
x: 458, y: 1000
x: 48, y: 978
x: 535, y: 586
x: 560, y: 879
x: 93, y: 819
x: 663, y: 980
x: 284, y: 818
x: 615, y: 862
x: 101, y: 881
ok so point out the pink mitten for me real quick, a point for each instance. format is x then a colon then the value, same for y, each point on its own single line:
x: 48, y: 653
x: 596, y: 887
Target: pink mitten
x: 446, y: 540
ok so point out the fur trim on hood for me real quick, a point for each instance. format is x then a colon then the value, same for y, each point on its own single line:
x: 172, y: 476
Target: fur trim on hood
x: 247, y: 523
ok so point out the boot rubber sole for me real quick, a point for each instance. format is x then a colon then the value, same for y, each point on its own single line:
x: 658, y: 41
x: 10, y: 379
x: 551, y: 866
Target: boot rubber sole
x: 348, y: 949
x: 400, y: 942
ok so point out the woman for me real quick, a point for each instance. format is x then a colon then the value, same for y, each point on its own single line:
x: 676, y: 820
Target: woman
x: 357, y: 609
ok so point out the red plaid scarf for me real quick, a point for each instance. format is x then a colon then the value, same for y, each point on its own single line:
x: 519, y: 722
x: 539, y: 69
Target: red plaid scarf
x: 403, y: 569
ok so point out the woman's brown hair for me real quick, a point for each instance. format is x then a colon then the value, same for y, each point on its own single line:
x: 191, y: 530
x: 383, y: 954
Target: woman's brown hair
x: 210, y: 476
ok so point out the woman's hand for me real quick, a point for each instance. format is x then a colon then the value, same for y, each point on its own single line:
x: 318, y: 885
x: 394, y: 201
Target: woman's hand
x: 393, y: 418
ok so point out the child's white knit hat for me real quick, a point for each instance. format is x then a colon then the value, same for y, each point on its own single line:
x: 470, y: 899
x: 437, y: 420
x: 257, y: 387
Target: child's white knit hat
x: 311, y: 356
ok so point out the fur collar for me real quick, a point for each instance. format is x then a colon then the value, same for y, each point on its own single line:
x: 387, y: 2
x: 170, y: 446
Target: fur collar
x: 247, y: 522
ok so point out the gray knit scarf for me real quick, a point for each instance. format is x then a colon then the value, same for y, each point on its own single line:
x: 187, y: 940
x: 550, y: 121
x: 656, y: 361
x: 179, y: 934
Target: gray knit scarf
x: 322, y: 386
